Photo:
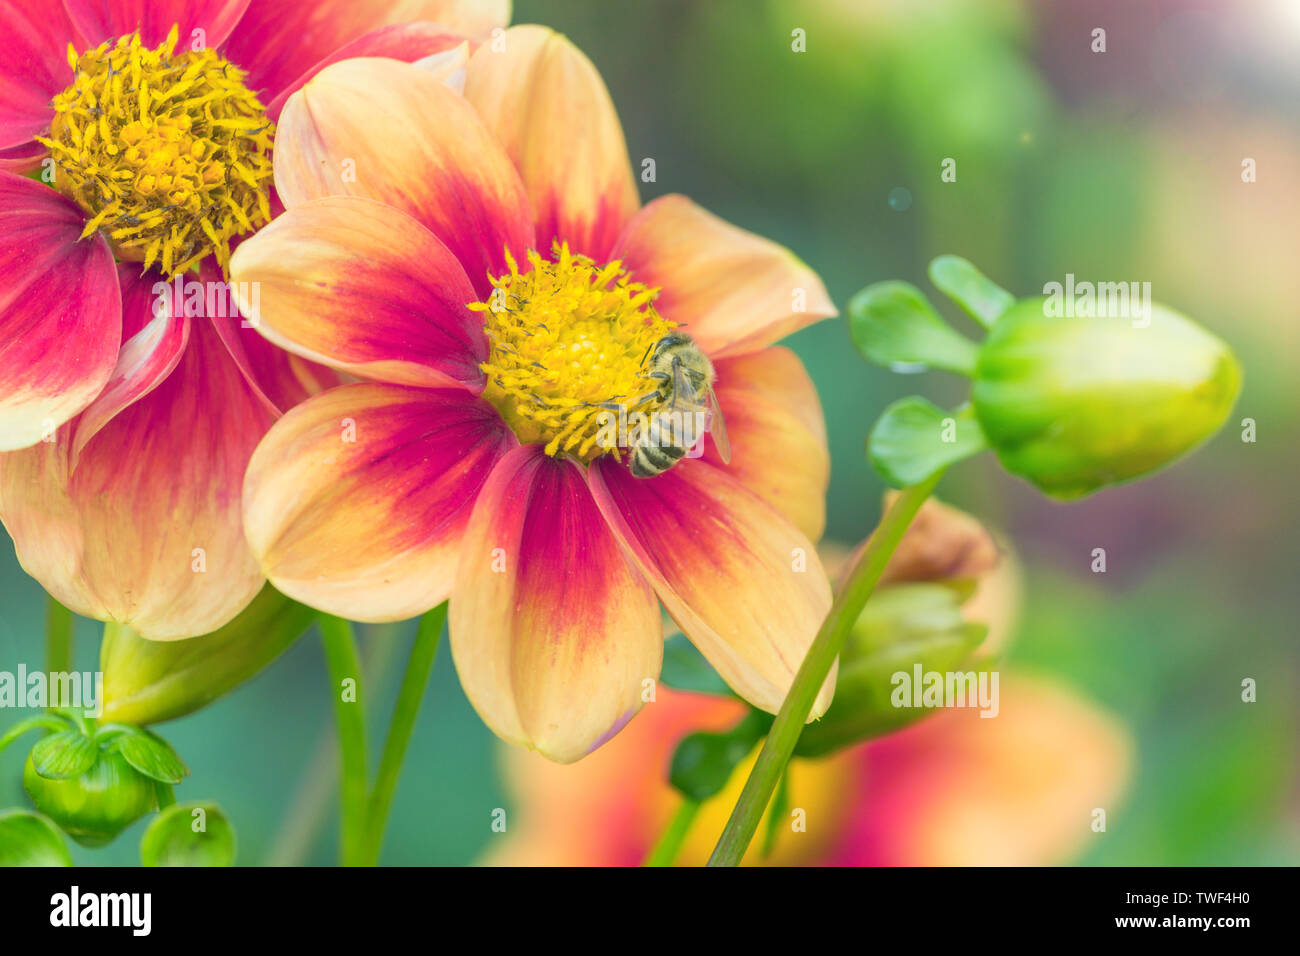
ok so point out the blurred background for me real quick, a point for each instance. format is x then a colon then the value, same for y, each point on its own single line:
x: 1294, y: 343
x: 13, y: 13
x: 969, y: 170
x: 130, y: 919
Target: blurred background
x: 1123, y: 165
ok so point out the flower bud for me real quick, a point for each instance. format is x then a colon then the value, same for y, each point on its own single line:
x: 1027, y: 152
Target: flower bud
x: 94, y: 807
x: 902, y: 626
x: 1072, y: 404
x: 150, y: 681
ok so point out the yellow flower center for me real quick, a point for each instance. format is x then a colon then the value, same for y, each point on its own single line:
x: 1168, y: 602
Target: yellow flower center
x: 570, y: 344
x: 168, y: 153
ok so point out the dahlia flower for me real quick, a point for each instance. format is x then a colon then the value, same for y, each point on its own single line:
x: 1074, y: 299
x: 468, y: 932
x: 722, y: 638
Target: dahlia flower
x: 483, y: 262
x: 129, y: 422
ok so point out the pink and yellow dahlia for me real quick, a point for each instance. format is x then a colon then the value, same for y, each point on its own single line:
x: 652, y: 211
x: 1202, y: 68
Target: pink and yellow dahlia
x: 483, y: 261
x: 130, y: 408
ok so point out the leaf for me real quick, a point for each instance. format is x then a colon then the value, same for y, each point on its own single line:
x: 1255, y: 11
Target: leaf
x: 685, y: 668
x: 29, y: 839
x: 152, y: 756
x: 915, y: 438
x: 703, y: 762
x: 189, y: 834
x: 960, y: 281
x: 68, y: 753
x: 892, y: 323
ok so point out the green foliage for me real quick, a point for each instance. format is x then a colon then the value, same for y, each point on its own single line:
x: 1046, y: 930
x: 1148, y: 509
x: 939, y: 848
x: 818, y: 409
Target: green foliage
x: 892, y: 323
x: 913, y: 439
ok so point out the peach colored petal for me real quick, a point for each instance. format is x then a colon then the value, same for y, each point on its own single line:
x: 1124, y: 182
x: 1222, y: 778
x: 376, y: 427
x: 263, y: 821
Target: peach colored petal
x: 544, y: 101
x: 146, y: 530
x: 554, y: 634
x: 393, y: 132
x: 778, y: 434
x: 277, y: 41
x: 732, y: 290
x: 355, y: 501
x: 364, y: 288
x: 60, y: 312
x: 741, y: 582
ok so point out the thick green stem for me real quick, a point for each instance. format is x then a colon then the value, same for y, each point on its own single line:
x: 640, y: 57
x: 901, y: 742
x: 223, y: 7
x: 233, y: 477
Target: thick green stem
x: 418, y: 669
x: 341, y: 658
x: 789, y: 723
x: 671, y: 840
x: 59, y: 622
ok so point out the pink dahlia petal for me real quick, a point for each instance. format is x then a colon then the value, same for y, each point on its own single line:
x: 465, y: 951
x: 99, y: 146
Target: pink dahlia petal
x: 100, y: 20
x: 742, y: 582
x: 60, y: 312
x: 155, y: 331
x: 356, y: 500
x: 553, y: 632
x: 146, y: 530
x: 395, y: 133
x: 33, y: 66
x: 278, y: 41
x: 366, y: 289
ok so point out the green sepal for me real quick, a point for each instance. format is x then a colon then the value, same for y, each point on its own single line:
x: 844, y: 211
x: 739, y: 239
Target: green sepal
x: 146, y: 682
x: 914, y: 439
x: 703, y: 761
x: 960, y: 281
x: 173, y: 840
x: 68, y: 753
x: 902, y: 625
x: 29, y: 839
x: 892, y: 324
x: 151, y: 756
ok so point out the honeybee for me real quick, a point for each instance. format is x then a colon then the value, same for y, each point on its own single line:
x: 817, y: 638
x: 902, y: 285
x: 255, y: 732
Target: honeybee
x: 685, y: 383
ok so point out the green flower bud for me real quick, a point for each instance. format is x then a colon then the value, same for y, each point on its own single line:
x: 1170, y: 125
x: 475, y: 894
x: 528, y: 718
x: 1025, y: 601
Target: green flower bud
x: 902, y: 626
x: 146, y: 682
x: 189, y: 834
x: 1072, y: 404
x: 97, y: 805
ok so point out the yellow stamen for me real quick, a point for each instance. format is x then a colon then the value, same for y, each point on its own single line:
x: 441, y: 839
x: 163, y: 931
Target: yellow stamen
x: 168, y: 153
x: 570, y: 344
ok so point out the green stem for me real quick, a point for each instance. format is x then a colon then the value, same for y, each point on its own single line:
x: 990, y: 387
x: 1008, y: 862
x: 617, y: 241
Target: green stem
x: 671, y: 840
x: 341, y: 658
x: 418, y: 668
x: 789, y: 723
x: 58, y: 638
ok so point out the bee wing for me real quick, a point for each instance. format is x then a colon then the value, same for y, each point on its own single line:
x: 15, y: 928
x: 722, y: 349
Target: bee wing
x: 718, y: 427
x: 684, y: 393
